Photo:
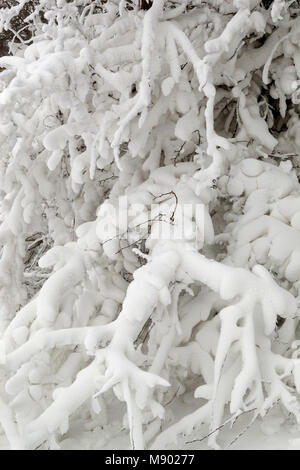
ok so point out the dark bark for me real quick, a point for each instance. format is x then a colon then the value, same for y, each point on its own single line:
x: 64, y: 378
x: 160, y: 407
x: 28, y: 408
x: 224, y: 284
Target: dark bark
x: 266, y: 3
x: 145, y: 4
x: 18, y: 23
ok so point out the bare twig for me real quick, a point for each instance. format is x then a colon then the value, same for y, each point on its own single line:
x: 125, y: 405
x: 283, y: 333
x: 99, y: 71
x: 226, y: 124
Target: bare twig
x: 176, y: 202
x: 232, y: 418
x: 243, y: 430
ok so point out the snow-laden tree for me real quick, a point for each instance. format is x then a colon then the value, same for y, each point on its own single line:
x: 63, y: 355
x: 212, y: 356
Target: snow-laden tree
x: 127, y: 110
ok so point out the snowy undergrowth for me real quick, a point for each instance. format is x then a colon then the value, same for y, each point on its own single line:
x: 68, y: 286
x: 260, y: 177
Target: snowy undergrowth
x: 183, y: 103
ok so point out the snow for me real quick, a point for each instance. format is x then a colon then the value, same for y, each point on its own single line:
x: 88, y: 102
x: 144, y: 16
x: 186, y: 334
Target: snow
x: 255, y: 125
x: 251, y: 167
x: 167, y: 85
x: 277, y: 9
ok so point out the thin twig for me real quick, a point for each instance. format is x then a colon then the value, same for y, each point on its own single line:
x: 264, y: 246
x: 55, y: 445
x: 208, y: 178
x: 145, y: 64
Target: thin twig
x: 221, y: 426
x: 243, y: 431
x: 176, y: 202
x: 173, y: 397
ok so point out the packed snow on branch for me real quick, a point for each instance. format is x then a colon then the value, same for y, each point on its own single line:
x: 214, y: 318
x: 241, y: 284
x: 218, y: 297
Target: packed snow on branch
x: 149, y: 222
